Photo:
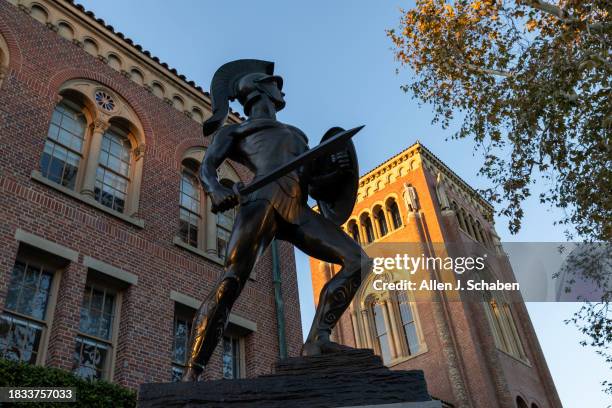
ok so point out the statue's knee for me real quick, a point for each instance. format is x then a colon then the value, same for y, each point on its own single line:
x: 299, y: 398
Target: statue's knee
x: 229, y: 286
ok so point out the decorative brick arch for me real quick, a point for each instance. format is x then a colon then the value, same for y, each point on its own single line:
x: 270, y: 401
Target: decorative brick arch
x: 185, y: 145
x: 182, y: 147
x: 15, y: 58
x: 65, y: 75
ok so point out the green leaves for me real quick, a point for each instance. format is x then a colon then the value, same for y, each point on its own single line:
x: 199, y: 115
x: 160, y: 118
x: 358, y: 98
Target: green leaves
x: 95, y: 394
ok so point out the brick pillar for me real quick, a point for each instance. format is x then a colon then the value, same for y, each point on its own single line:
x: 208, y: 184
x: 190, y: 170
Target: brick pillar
x: 7, y: 261
x: 66, y: 317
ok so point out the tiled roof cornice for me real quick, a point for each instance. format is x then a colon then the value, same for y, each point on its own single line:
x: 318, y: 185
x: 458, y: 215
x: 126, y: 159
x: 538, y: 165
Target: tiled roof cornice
x: 137, y: 49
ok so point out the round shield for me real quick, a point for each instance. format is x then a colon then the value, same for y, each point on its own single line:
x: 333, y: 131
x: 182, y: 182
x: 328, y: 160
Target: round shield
x: 338, y: 200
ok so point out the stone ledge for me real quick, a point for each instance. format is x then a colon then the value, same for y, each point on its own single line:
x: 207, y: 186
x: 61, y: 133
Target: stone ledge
x: 37, y: 176
x: 193, y: 303
x: 46, y: 245
x: 110, y: 270
x: 180, y: 243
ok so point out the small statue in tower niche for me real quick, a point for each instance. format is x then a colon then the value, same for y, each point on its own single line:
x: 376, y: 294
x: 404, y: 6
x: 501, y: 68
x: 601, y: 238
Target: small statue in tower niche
x: 410, y: 198
x: 274, y: 204
x: 441, y: 193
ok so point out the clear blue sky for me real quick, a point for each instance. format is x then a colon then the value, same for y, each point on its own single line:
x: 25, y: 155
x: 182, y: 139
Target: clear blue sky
x: 339, y: 71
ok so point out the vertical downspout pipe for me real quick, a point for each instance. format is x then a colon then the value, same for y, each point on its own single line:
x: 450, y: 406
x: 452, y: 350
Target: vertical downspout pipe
x: 278, y: 301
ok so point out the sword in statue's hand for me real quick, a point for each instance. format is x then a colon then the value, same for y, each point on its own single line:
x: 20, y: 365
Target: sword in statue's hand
x: 331, y: 145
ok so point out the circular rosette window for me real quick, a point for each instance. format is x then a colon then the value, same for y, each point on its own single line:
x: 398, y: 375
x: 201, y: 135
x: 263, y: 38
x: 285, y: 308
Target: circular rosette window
x: 105, y: 101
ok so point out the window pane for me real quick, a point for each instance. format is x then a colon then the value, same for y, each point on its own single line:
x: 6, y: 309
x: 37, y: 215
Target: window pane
x: 395, y: 215
x: 225, y: 223
x: 190, y: 193
x: 411, y: 337
x: 380, y: 216
x: 222, y: 240
x: 188, y: 227
x: 182, y: 329
x: 97, y: 313
x: 381, y: 333
x: 89, y: 359
x: 110, y: 189
x: 66, y: 131
x: 231, y: 358
x: 21, y: 341
x: 177, y: 373
x: 28, y: 291
x: 112, y: 174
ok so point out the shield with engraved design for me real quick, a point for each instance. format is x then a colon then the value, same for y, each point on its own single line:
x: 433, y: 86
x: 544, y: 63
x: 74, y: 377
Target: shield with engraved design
x: 336, y: 198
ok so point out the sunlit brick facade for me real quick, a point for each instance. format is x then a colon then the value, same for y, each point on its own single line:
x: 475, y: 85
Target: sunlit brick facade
x: 474, y: 354
x: 106, y: 245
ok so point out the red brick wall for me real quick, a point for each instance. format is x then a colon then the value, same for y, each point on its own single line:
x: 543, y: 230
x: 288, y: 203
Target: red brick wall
x: 462, y: 364
x: 40, y: 62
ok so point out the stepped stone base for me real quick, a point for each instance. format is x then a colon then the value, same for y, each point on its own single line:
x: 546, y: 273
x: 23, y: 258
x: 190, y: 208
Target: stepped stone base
x: 353, y: 378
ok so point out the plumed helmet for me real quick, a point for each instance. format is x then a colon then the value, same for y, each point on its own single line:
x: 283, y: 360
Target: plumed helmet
x: 236, y: 80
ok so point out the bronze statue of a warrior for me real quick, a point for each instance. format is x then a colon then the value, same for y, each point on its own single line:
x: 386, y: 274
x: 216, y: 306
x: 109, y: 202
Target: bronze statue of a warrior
x: 278, y: 208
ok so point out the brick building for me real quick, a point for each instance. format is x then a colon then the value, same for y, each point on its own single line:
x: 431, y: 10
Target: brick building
x: 107, y: 241
x: 475, y: 353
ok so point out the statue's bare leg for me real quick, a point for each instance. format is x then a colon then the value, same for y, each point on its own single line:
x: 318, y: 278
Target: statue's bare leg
x: 324, y: 240
x: 253, y: 231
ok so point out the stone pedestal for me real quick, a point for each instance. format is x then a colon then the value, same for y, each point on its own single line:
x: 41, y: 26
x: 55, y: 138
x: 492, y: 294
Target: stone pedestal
x: 353, y: 378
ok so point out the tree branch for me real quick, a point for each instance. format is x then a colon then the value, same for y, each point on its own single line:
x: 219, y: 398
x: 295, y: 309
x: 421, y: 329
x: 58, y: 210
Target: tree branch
x: 558, y: 12
x: 487, y: 71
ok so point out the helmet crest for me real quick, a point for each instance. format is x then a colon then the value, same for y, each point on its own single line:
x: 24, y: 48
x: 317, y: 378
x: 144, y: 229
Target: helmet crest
x: 225, y: 87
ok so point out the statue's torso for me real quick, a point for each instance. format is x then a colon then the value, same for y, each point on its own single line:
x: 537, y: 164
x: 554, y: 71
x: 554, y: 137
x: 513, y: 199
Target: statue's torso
x: 263, y: 146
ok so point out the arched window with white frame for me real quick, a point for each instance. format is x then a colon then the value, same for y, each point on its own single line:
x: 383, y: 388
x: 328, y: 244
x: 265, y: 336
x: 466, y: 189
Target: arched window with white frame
x: 94, y: 149
x: 386, y: 321
x: 63, y: 152
x: 4, y: 59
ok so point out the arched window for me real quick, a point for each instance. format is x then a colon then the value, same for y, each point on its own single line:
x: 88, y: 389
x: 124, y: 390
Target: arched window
x: 4, y: 59
x: 386, y: 321
x: 113, y: 172
x: 98, y: 158
x: 464, y: 221
x: 505, y: 332
x: 201, y: 230
x: 471, y: 226
x: 534, y: 405
x: 354, y: 231
x: 394, y: 211
x: 379, y: 214
x: 382, y: 336
x: 366, y: 223
x: 520, y: 402
x: 225, y: 223
x: 408, y: 322
x: 478, y: 231
x: 190, y: 208
x: 63, y: 150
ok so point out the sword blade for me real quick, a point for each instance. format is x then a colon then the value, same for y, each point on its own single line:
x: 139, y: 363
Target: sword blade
x: 329, y: 146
